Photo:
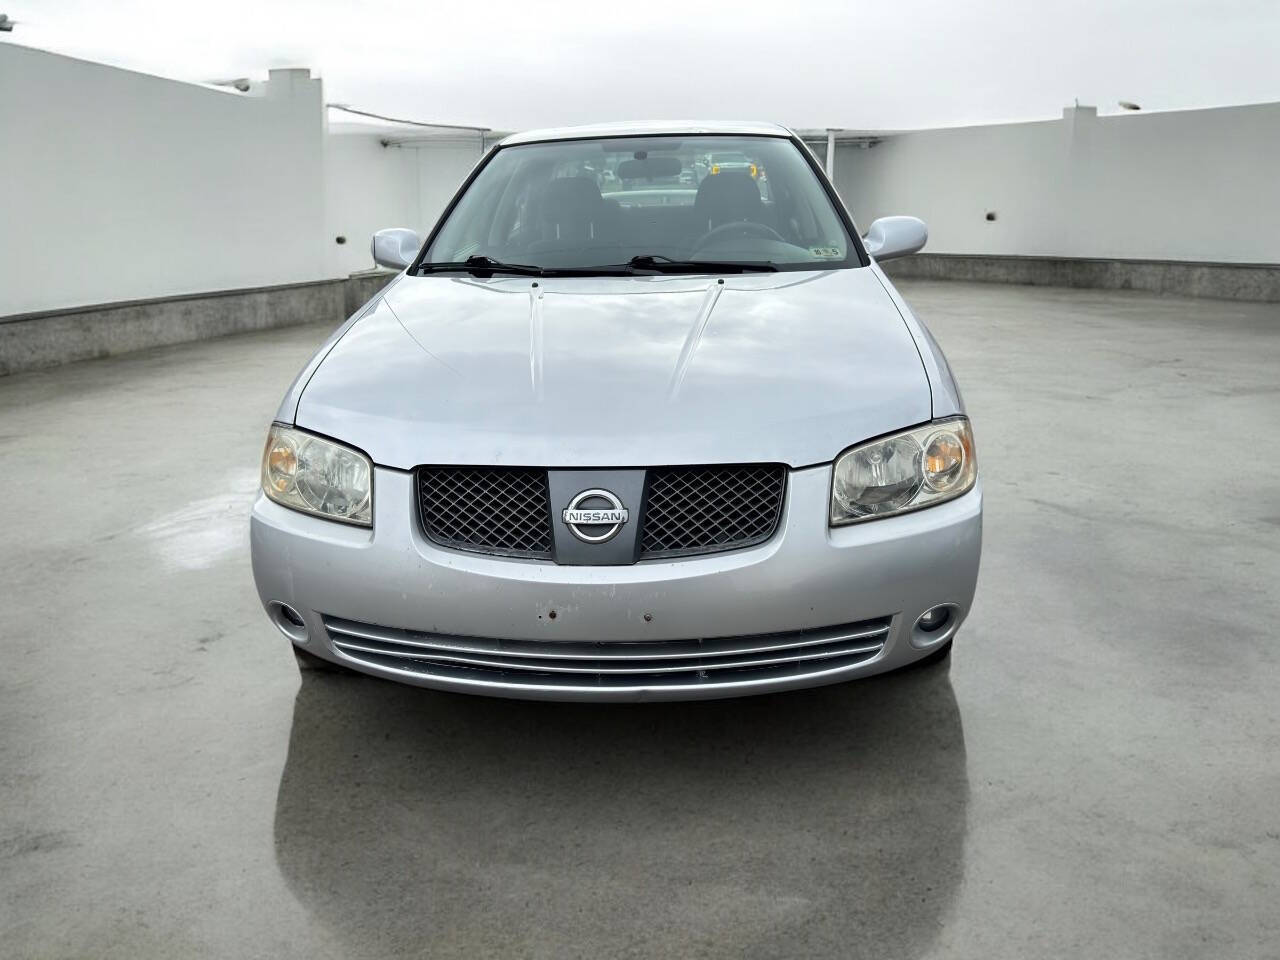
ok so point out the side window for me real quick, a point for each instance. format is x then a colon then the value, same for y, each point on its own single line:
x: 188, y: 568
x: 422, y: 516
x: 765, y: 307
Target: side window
x: 508, y: 214
x: 521, y: 219
x: 518, y: 213
x: 570, y: 168
x: 795, y: 213
x: 806, y: 222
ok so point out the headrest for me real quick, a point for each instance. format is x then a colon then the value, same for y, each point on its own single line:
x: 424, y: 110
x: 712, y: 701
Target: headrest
x: 733, y: 186
x: 567, y: 197
x: 728, y: 197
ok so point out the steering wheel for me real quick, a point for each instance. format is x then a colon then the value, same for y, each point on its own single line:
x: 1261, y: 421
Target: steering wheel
x: 745, y: 228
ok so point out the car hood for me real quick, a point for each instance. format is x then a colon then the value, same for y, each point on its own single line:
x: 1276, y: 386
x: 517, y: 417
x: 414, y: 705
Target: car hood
x: 788, y: 367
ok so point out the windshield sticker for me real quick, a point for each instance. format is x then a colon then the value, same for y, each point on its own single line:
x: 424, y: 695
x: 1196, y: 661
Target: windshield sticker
x: 831, y: 253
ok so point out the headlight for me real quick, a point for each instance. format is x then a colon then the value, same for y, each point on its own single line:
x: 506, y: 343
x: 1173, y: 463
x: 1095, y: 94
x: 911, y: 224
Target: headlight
x: 317, y: 476
x: 909, y: 470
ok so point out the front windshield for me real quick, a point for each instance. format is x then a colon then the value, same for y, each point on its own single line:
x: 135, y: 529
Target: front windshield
x: 593, y: 203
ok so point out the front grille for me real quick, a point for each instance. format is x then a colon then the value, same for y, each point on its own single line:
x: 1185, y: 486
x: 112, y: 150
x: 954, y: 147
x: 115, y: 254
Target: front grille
x: 500, y: 510
x: 604, y: 666
x: 506, y: 511
x: 705, y: 509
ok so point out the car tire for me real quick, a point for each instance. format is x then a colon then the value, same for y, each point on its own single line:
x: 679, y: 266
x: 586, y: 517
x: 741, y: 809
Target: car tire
x: 310, y: 663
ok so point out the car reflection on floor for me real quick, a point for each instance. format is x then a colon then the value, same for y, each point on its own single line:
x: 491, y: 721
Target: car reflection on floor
x: 797, y: 824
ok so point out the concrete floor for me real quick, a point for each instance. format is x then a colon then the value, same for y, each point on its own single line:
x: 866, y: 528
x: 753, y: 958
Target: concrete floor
x: 1098, y: 774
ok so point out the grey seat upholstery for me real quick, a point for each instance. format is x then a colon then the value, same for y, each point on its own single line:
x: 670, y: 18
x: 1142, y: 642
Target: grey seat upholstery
x: 729, y: 197
x: 572, y: 210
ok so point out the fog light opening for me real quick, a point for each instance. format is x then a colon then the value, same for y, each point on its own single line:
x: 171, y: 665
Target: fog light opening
x: 936, y: 625
x: 288, y: 621
x: 934, y: 619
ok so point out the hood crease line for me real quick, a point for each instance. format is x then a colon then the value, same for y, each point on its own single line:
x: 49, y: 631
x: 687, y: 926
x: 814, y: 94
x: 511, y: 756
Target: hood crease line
x: 536, y: 379
x: 421, y: 346
x: 693, y: 339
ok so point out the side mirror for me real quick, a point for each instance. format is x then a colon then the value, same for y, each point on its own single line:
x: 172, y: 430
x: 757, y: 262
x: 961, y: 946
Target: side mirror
x: 395, y: 247
x: 891, y: 237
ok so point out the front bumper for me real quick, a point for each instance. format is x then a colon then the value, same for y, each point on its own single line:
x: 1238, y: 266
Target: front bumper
x: 390, y: 588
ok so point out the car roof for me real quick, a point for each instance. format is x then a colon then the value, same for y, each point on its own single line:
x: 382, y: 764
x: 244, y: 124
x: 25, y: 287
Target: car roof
x: 648, y: 129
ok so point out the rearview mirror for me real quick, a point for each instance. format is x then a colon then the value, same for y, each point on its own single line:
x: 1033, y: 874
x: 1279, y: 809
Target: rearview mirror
x: 395, y: 247
x: 891, y: 237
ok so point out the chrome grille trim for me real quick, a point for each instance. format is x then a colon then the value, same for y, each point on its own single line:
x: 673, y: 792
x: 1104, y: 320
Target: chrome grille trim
x: 623, y: 650
x: 569, y: 666
x: 605, y: 665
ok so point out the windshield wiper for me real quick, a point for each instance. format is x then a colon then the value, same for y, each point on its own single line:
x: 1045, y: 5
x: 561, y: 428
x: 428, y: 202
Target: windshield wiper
x: 664, y: 264
x: 483, y: 266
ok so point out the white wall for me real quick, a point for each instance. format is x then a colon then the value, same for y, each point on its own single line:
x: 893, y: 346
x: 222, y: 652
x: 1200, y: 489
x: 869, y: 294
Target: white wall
x: 367, y: 187
x: 1185, y: 185
x: 370, y: 186
x: 118, y: 185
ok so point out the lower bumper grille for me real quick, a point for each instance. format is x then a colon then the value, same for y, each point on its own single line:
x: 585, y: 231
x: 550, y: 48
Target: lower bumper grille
x: 669, y: 663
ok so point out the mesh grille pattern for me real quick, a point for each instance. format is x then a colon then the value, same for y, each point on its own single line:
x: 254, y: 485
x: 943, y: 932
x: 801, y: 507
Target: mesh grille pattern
x: 706, y: 509
x: 505, y: 510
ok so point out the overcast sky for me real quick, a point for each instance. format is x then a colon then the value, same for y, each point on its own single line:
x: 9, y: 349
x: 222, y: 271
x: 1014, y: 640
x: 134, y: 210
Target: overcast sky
x: 882, y: 64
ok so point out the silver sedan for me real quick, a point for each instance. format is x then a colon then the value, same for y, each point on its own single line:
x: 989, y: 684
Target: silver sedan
x: 607, y: 436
